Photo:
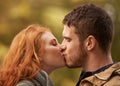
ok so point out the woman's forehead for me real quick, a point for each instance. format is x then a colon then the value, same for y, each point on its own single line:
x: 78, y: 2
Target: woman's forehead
x: 47, y: 36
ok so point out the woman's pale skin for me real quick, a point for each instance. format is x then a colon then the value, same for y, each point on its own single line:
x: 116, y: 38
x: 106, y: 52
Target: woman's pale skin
x: 51, y: 57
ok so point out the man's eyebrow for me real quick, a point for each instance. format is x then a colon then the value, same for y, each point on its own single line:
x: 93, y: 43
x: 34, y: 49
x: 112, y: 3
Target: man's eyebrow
x: 66, y: 37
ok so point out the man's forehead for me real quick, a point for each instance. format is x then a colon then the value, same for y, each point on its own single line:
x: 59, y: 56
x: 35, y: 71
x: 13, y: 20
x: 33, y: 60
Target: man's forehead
x: 68, y: 30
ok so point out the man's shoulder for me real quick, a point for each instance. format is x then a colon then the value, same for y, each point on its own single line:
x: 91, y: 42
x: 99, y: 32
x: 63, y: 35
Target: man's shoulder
x: 109, y: 73
x: 114, y: 79
x: 109, y: 76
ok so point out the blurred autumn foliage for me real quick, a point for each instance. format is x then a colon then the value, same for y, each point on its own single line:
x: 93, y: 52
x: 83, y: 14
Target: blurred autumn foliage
x: 18, y: 14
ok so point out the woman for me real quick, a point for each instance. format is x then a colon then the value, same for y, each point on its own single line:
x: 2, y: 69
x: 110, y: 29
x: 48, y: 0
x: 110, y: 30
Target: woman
x: 33, y: 54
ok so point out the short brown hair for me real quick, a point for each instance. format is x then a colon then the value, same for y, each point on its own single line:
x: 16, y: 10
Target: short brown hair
x: 91, y: 20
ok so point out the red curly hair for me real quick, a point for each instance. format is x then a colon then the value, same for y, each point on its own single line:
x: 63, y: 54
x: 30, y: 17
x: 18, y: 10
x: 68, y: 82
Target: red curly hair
x: 23, y: 57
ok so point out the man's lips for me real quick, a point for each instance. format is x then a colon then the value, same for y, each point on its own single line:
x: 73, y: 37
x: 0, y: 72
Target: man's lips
x: 62, y: 54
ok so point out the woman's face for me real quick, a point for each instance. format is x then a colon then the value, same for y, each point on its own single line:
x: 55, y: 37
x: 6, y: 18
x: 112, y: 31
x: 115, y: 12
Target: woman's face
x: 51, y: 56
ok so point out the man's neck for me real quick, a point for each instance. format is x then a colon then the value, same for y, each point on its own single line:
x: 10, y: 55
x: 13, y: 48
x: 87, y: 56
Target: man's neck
x: 97, y: 61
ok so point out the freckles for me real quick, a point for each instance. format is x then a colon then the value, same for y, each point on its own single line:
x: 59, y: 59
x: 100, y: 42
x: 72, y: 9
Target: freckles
x: 54, y: 50
x: 57, y: 51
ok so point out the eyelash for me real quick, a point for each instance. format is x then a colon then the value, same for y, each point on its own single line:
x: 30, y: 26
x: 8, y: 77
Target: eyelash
x: 54, y: 44
x: 68, y: 40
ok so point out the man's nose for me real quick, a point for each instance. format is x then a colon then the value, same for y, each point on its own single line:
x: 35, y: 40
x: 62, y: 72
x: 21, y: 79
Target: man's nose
x: 62, y: 48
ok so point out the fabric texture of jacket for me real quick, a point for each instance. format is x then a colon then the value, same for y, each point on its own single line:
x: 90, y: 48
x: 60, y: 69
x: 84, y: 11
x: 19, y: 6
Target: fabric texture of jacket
x: 109, y: 77
x: 41, y: 79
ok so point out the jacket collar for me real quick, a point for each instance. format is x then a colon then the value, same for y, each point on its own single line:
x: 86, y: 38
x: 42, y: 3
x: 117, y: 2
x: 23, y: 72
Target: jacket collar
x: 43, y: 78
x: 102, y: 77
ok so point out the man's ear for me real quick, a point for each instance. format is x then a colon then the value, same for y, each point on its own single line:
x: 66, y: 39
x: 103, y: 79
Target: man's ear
x: 90, y: 42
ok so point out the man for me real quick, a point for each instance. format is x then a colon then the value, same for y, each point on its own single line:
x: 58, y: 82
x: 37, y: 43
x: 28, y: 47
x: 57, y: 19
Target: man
x: 88, y: 34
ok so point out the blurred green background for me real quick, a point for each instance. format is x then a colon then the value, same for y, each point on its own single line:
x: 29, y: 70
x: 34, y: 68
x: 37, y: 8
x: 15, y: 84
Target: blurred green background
x: 18, y: 14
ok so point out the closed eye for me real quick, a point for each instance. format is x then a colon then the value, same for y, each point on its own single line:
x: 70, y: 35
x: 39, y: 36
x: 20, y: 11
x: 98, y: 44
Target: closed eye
x: 67, y: 39
x: 54, y: 42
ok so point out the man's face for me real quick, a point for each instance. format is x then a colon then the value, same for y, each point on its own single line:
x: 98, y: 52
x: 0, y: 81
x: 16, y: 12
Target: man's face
x: 73, y: 50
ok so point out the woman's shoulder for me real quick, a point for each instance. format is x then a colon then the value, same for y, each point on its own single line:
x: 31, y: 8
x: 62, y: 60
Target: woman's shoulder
x: 41, y: 79
x: 25, y: 83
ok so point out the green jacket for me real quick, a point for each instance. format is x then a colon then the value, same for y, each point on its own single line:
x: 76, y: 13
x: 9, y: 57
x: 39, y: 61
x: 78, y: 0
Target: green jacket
x: 109, y: 77
x: 41, y: 79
